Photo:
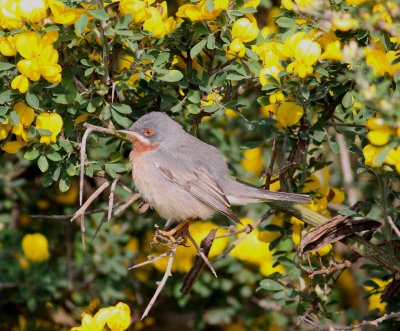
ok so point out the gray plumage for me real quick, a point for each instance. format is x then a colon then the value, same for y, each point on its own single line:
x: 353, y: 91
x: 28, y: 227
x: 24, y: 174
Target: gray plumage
x: 182, y: 177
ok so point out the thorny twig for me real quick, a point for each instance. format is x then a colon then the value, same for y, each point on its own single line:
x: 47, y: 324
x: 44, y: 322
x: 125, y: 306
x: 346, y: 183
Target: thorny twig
x: 200, y: 252
x: 150, y: 260
x: 82, y: 165
x: 163, y: 281
x: 119, y: 208
x: 111, y: 199
x: 80, y: 213
x: 326, y: 271
x: 316, y: 324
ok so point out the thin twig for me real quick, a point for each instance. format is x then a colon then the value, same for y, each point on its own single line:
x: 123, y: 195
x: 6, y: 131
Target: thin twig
x: 81, y: 211
x: 200, y: 252
x: 111, y: 199
x: 393, y: 225
x: 346, y: 168
x: 120, y: 206
x: 162, y: 283
x: 83, y: 158
x: 150, y: 260
x: 316, y: 324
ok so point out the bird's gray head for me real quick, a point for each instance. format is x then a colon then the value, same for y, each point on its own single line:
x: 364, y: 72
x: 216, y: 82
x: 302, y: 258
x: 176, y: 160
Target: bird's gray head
x: 154, y: 128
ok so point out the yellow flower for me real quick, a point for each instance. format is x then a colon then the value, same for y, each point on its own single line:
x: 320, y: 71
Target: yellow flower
x: 255, y: 251
x: 119, y: 317
x: 62, y: 14
x: 355, y: 2
x: 251, y: 3
x: 245, y: 28
x: 344, y: 23
x: 380, y: 132
x: 52, y: 122
x: 140, y: 10
x: 306, y: 53
x: 288, y: 114
x: 237, y: 48
x: 20, y: 83
x: 332, y: 51
x: 13, y: 147
x: 157, y: 23
x: 7, y: 46
x: 9, y: 18
x: 375, y: 299
x: 26, y: 115
x: 393, y: 158
x: 35, y: 247
x: 381, y: 62
x: 33, y: 10
x: 40, y: 57
x: 270, y: 71
x: 371, y: 153
x: 253, y: 161
x: 289, y: 5
x: 199, y: 11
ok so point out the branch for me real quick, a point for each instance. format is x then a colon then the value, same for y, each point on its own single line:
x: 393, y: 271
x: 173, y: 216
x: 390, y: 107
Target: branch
x: 317, y: 325
x: 378, y: 254
x: 162, y: 283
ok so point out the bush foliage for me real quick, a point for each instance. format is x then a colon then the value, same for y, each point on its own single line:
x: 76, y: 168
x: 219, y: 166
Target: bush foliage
x: 300, y: 95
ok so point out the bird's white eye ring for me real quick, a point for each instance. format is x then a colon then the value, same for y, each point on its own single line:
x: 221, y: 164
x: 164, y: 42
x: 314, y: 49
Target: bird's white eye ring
x: 148, y: 132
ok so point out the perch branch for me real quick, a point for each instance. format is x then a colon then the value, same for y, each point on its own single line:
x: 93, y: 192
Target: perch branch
x: 162, y: 283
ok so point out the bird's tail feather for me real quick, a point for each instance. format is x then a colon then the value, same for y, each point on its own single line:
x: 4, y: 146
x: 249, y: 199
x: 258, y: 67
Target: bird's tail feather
x: 246, y: 194
x: 282, y: 196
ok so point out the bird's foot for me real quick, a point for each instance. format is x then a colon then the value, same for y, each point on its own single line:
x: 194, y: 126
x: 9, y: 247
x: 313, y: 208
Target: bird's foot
x: 175, y: 236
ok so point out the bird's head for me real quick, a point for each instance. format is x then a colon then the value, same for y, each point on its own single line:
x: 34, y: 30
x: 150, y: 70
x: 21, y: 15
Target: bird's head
x: 153, y: 128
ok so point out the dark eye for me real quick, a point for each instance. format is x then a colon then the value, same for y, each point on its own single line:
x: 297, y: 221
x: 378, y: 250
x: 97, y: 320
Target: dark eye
x: 148, y: 132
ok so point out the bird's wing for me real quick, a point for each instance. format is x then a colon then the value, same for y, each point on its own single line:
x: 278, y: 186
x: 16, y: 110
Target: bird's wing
x: 202, y: 186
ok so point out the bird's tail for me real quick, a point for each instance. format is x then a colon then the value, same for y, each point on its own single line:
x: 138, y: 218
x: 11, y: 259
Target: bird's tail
x: 250, y: 194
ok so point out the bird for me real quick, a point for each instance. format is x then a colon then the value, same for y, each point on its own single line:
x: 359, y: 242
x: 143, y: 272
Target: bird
x: 184, y: 178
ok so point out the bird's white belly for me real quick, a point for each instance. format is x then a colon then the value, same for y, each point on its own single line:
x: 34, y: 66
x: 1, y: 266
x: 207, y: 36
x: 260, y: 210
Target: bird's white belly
x: 170, y: 200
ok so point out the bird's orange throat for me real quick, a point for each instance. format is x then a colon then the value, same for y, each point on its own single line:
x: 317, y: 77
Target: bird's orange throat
x: 140, y: 147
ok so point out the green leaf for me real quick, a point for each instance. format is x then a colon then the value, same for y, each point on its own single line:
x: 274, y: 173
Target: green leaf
x: 211, y: 41
x: 235, y: 77
x: 100, y: 14
x: 55, y: 156
x: 5, y: 96
x: 193, y: 96
x: 113, y: 168
x: 123, y: 22
x: 122, y: 108
x: 3, y: 110
x: 271, y: 285
x: 172, y: 77
x: 80, y: 24
x: 31, y: 155
x: 197, y: 48
x: 193, y: 109
x: 121, y: 120
x: 14, y: 118
x: 64, y: 184
x: 44, y: 132
x: 347, y: 100
x: 42, y: 163
x: 71, y: 170
x: 6, y: 66
x: 286, y: 22
x: 161, y: 59
x: 32, y: 100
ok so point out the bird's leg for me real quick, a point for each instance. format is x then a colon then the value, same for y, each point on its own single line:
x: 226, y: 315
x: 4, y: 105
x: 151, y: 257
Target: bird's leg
x: 178, y: 232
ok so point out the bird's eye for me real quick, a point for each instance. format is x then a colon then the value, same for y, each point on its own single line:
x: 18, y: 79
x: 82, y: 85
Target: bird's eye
x: 148, y: 132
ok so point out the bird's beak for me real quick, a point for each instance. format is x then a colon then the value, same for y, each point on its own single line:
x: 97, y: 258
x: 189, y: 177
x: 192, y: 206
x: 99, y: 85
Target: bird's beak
x: 135, y: 135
